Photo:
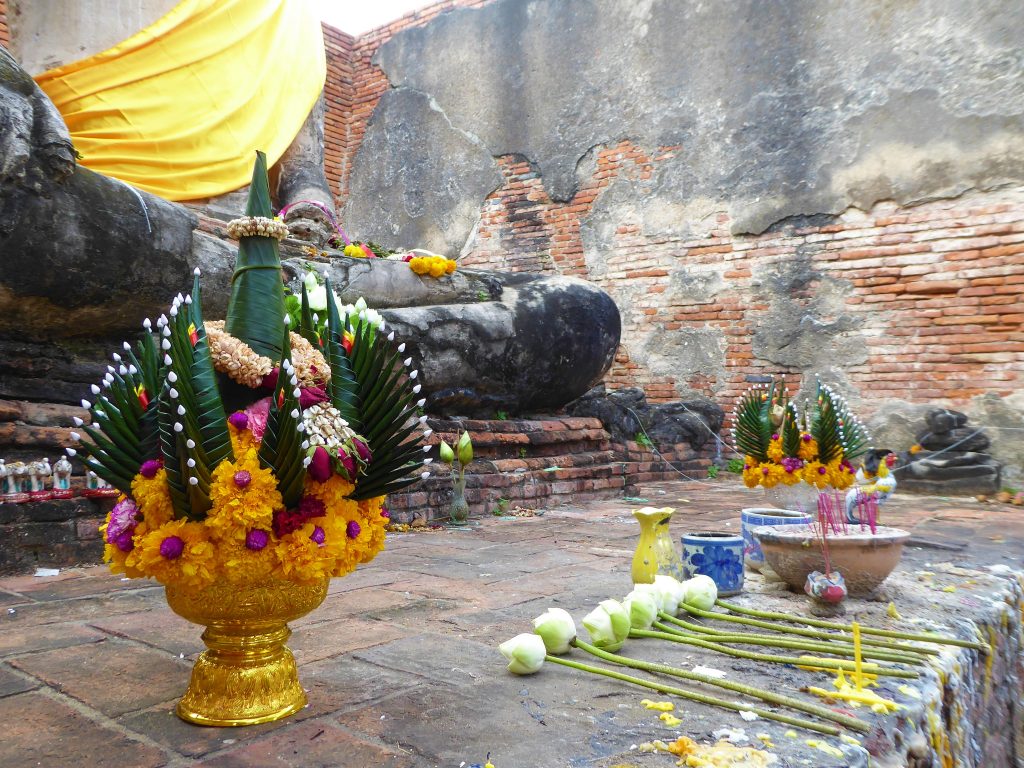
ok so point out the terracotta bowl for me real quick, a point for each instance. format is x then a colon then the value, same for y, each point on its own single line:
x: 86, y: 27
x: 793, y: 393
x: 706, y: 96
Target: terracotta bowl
x: 864, y: 559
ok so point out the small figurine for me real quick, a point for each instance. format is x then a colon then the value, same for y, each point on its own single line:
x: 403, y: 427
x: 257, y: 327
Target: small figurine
x: 14, y: 480
x: 873, y: 479
x: 40, y: 480
x: 62, y: 479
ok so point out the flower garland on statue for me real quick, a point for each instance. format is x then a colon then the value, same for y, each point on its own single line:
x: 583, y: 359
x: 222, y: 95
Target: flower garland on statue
x: 285, y: 485
x: 782, y: 447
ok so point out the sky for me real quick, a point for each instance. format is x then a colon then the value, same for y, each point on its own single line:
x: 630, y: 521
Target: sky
x: 358, y: 16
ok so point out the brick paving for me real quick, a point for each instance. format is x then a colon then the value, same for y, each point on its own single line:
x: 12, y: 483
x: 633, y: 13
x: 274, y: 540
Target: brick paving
x: 400, y: 661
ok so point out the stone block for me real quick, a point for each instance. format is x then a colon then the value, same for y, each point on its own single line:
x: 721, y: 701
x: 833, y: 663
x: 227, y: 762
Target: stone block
x: 942, y: 420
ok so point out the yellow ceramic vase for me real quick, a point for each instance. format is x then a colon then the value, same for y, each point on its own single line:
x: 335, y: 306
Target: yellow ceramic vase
x: 655, y: 552
x: 247, y: 675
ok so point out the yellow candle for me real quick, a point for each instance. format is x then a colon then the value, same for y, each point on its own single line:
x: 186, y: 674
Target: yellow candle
x: 858, y: 677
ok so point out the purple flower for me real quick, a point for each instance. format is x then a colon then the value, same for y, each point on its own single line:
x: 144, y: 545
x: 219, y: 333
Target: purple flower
x: 806, y: 437
x: 320, y: 466
x: 149, y: 468
x: 385, y: 512
x: 775, y: 436
x: 822, y: 470
x: 791, y: 464
x: 239, y: 420
x: 172, y: 547
x: 121, y: 525
x: 353, y: 529
x: 256, y: 539
x: 243, y: 478
x: 318, y: 536
x: 363, y: 450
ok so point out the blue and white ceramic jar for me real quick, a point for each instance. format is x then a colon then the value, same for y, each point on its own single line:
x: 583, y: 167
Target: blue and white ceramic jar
x: 718, y: 555
x: 755, y: 516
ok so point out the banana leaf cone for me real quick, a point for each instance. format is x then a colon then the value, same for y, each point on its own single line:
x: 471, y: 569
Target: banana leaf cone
x: 256, y: 306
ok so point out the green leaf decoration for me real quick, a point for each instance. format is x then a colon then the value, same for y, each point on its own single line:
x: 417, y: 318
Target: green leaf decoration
x: 173, y: 449
x: 389, y: 420
x: 825, y: 427
x: 790, y: 432
x: 256, y: 305
x: 343, y: 388
x: 307, y: 328
x: 752, y: 430
x: 282, y: 448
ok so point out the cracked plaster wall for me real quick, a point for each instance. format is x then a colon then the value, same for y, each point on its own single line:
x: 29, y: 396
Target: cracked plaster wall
x: 802, y: 188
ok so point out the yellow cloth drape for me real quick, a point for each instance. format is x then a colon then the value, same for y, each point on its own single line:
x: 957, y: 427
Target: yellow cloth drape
x: 179, y: 108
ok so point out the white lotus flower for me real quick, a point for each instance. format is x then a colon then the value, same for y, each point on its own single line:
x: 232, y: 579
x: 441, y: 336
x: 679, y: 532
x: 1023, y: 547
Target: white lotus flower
x: 701, y: 592
x: 642, y: 607
x: 525, y: 653
x: 310, y: 282
x: 317, y: 297
x: 557, y: 629
x: 608, y: 625
x: 672, y: 593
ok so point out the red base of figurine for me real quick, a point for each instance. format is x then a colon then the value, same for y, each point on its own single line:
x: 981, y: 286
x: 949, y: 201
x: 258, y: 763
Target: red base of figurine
x: 63, y: 493
x: 40, y: 495
x: 100, y: 493
x: 15, y: 498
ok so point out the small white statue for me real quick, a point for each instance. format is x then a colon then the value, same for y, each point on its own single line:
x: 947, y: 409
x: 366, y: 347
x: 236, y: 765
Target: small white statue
x: 39, y: 475
x: 62, y: 474
x: 92, y: 480
x: 21, y: 473
x: 3, y: 477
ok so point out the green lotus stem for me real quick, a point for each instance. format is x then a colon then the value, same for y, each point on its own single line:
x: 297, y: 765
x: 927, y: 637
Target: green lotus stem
x: 702, y: 698
x: 920, y: 638
x: 775, y: 627
x: 750, y: 638
x: 809, y: 661
x: 747, y: 690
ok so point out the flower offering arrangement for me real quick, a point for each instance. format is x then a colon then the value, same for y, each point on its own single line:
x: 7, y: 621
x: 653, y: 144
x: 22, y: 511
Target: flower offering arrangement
x: 782, y: 446
x: 255, y: 447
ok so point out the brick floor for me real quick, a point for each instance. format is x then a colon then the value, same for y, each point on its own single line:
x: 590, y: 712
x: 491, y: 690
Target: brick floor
x: 400, y: 662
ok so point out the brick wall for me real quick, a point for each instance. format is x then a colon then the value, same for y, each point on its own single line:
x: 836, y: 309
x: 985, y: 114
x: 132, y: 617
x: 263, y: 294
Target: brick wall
x: 5, y: 35
x: 935, y: 290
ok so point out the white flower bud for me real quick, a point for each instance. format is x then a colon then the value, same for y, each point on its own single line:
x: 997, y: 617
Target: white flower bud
x: 167, y: 360
x: 416, y: 389
x: 71, y: 452
x: 557, y: 629
x: 424, y: 475
x: 197, y: 272
x: 525, y: 653
x: 165, y: 345
x: 75, y: 436
x: 178, y: 426
x: 147, y: 324
x: 401, y: 348
x: 193, y: 481
x: 421, y: 402
x: 172, y: 376
x: 181, y: 410
x: 116, y: 357
x: 78, y: 422
x: 173, y: 393
x: 190, y: 443
x: 414, y: 374
x: 191, y: 463
x: 94, y: 389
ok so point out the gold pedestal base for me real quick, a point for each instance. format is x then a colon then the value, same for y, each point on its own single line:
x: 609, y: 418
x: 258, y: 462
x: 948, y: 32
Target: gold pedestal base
x: 247, y: 675
x: 243, y: 679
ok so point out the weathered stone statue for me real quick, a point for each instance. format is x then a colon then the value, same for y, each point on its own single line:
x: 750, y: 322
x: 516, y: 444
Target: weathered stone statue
x: 86, y: 257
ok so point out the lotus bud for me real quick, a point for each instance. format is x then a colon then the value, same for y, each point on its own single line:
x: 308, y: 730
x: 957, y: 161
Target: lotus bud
x: 77, y: 421
x: 360, y: 304
x: 197, y: 271
x: 86, y: 404
x: 147, y: 324
x: 70, y: 452
x: 116, y: 357
x: 427, y: 461
x: 172, y: 377
x: 672, y: 593
x: 642, y: 608
x: 424, y: 475
x: 608, y: 625
x: 525, y: 653
x: 416, y: 389
x: 445, y: 452
x: 557, y: 629
x: 193, y: 481
x: 75, y: 436
x: 427, y: 432
x: 701, y: 592
x: 190, y: 443
x: 401, y: 349
x: 181, y: 410
x: 310, y: 282
x: 391, y: 336
x: 94, y: 389
x: 465, y: 449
